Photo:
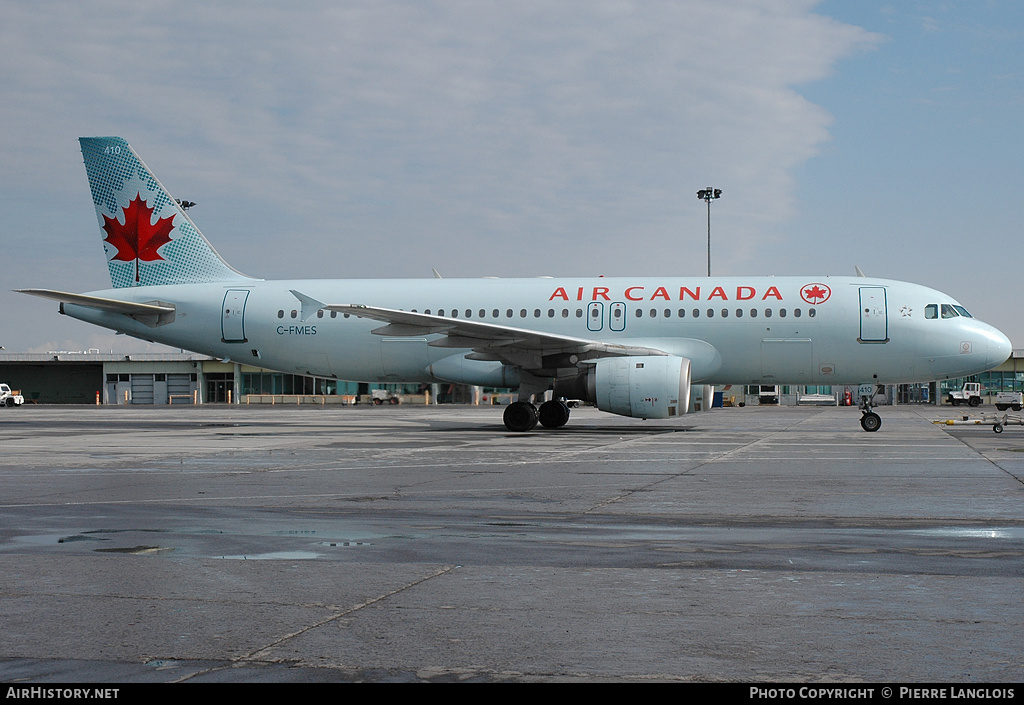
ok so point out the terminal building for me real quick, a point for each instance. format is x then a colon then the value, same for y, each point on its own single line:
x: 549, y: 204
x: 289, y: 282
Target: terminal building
x: 93, y: 377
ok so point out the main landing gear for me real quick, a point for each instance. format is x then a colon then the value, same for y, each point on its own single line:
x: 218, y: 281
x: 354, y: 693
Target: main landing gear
x: 523, y: 416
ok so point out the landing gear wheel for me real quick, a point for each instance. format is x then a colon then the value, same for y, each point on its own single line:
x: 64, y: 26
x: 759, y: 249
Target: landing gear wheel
x: 553, y: 414
x: 871, y: 422
x: 520, y: 416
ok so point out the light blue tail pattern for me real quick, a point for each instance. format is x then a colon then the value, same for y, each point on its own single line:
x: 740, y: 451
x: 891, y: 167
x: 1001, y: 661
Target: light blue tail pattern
x: 151, y: 241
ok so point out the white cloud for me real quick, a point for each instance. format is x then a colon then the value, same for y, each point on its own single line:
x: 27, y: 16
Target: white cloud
x: 481, y: 137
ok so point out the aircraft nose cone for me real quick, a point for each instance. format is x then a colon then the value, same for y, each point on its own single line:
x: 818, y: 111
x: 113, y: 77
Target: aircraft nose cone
x: 999, y: 347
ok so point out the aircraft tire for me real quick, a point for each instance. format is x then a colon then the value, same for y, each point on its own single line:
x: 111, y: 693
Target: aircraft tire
x: 553, y: 414
x: 520, y: 416
x: 871, y: 422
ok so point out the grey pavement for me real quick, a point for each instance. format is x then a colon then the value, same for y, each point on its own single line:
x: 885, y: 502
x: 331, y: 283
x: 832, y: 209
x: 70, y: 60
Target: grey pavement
x: 411, y: 543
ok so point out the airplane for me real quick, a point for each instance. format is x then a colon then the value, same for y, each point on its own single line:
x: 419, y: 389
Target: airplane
x: 632, y: 346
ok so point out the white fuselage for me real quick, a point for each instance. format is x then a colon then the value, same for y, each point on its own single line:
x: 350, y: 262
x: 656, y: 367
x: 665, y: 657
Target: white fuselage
x: 738, y: 330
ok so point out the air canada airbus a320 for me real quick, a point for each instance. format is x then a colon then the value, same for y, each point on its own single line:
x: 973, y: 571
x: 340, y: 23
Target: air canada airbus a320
x: 633, y: 346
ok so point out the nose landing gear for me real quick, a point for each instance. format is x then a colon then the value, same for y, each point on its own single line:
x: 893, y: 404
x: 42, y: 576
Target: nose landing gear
x: 869, y: 420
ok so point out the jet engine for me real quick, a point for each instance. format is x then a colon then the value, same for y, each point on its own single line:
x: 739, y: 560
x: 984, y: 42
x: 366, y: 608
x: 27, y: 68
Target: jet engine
x: 645, y: 386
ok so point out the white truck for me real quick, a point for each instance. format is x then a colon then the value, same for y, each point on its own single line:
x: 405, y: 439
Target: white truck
x: 1009, y: 400
x: 970, y: 395
x: 10, y: 398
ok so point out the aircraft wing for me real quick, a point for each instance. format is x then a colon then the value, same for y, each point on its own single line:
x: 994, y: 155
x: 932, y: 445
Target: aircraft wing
x: 529, y: 349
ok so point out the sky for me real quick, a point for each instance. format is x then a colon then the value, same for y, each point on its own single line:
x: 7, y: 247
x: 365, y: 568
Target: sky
x: 380, y: 139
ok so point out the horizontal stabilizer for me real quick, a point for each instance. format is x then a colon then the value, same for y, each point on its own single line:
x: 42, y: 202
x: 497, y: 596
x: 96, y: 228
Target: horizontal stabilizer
x: 125, y: 307
x: 153, y: 313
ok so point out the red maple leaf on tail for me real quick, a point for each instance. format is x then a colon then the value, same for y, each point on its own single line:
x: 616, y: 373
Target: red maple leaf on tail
x: 138, y: 238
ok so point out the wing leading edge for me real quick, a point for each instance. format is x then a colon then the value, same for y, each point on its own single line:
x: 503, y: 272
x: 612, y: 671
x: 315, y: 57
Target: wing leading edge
x: 533, y: 351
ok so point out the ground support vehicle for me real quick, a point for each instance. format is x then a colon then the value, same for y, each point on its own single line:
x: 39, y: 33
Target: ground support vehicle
x: 970, y: 395
x: 9, y: 397
x: 1009, y: 400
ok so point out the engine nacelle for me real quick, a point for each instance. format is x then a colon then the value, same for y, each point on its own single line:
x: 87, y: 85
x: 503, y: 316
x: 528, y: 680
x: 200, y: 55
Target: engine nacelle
x: 646, y: 387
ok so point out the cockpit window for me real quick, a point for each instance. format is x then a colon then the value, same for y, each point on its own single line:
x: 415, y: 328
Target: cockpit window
x: 931, y: 311
x: 962, y: 311
x: 948, y: 311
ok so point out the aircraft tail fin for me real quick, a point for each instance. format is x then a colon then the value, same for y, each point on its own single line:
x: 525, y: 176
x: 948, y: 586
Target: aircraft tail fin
x: 147, y: 236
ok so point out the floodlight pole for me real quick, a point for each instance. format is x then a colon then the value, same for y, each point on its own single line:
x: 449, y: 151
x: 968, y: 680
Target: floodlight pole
x: 709, y: 194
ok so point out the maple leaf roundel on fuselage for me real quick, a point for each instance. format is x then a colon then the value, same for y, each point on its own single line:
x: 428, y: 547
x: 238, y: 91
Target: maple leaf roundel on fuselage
x: 138, y: 238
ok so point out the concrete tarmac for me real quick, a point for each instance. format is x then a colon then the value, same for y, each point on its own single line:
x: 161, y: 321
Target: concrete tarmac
x: 411, y: 543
